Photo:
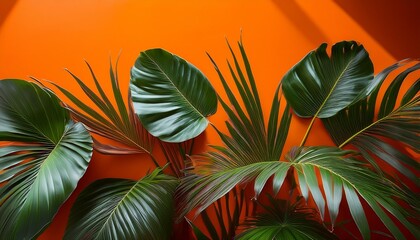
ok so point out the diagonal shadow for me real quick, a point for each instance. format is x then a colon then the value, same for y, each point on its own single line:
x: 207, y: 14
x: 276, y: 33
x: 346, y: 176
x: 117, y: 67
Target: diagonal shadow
x: 395, y: 25
x: 5, y: 8
x: 299, y: 18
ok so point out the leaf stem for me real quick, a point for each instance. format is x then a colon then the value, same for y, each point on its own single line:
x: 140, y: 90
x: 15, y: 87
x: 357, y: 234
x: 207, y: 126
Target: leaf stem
x: 305, y: 137
x: 154, y: 160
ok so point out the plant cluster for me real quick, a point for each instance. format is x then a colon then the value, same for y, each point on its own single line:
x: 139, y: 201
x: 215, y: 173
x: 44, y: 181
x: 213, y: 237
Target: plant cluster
x: 236, y: 188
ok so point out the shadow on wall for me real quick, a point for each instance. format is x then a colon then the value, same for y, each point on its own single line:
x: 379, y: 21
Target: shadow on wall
x: 298, y: 17
x: 5, y: 8
x: 393, y: 24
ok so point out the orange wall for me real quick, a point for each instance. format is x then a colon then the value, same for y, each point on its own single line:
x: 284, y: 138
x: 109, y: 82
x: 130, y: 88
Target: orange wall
x: 40, y: 38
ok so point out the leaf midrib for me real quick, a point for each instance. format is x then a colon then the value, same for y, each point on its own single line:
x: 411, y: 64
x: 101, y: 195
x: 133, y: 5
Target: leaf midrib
x: 324, y: 102
x: 331, y: 171
x: 176, y: 88
x: 119, y: 203
x: 34, y: 126
x: 375, y: 123
x: 333, y: 87
x: 37, y: 173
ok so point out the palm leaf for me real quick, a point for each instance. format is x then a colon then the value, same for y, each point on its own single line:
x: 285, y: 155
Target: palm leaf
x: 124, y: 209
x: 117, y: 123
x: 358, y: 126
x: 171, y: 96
x: 340, y: 171
x: 48, y: 155
x: 228, y: 212
x: 249, y: 152
x: 280, y: 220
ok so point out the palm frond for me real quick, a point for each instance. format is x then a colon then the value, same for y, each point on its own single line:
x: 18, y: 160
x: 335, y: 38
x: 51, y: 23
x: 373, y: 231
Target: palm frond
x: 228, y: 215
x: 249, y: 152
x: 124, y: 209
x: 117, y: 123
x: 341, y: 173
x: 282, y: 220
x: 358, y: 126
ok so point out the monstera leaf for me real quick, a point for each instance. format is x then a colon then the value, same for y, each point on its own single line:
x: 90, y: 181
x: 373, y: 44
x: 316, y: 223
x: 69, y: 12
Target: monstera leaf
x: 44, y: 158
x: 321, y: 85
x: 124, y: 209
x: 171, y: 97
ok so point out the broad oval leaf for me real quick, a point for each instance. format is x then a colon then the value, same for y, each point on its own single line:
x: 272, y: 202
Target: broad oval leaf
x: 171, y: 96
x: 321, y: 85
x: 124, y: 209
x: 42, y: 165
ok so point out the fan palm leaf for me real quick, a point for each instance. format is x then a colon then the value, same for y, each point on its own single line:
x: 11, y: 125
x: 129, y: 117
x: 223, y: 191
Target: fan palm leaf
x: 124, y: 209
x: 280, y: 220
x: 118, y: 123
x: 341, y: 173
x: 396, y: 122
x: 42, y: 165
x: 249, y: 152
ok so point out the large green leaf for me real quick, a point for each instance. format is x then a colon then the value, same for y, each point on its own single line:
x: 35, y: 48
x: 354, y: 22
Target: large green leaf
x: 339, y: 169
x: 280, y: 220
x: 321, y: 85
x: 124, y: 209
x: 42, y: 166
x: 171, y: 96
x: 357, y: 125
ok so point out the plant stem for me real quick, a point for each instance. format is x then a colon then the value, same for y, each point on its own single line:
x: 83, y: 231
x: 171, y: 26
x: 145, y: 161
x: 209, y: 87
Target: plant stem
x: 307, y: 131
x: 154, y: 160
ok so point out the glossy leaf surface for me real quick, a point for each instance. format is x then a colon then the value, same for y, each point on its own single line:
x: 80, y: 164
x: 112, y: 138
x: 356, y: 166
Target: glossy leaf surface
x: 124, y: 209
x: 341, y: 170
x: 321, y: 85
x: 171, y: 96
x: 280, y: 220
x: 360, y: 126
x: 42, y: 165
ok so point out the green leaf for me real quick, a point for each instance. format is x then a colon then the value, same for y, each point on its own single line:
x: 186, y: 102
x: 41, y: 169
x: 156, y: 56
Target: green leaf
x: 340, y: 169
x: 321, y: 85
x: 249, y: 153
x: 280, y: 220
x: 202, y: 191
x: 333, y: 188
x: 42, y: 166
x: 171, y: 96
x: 358, y: 126
x: 356, y: 210
x: 124, y: 209
x: 119, y: 124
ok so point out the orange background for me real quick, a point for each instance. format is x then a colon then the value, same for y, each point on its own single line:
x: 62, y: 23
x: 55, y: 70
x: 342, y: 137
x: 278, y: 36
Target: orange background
x: 40, y: 38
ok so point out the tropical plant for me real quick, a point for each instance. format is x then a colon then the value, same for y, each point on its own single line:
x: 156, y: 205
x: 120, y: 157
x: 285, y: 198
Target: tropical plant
x: 46, y: 151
